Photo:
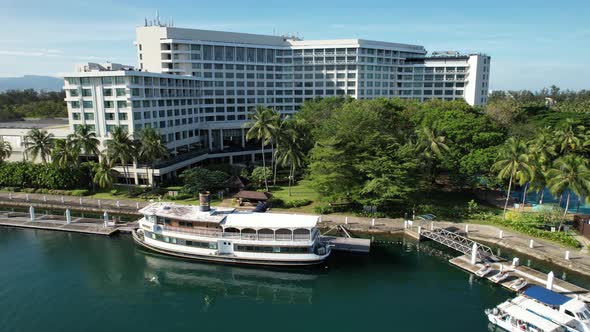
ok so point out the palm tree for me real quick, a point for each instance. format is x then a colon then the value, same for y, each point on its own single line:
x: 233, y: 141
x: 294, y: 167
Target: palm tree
x: 65, y: 153
x: 289, y: 153
x: 513, y: 164
x: 85, y: 141
x: 5, y: 150
x: 104, y: 174
x: 569, y: 173
x: 39, y: 143
x: 120, y: 148
x: 432, y: 146
x: 541, y: 151
x: 151, y: 148
x: 262, y: 127
x: 570, y: 136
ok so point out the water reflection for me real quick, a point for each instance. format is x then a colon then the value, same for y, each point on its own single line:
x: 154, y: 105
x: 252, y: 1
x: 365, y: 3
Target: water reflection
x: 213, y: 281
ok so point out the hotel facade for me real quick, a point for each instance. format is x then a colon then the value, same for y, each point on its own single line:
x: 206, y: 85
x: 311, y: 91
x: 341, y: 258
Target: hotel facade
x: 197, y: 87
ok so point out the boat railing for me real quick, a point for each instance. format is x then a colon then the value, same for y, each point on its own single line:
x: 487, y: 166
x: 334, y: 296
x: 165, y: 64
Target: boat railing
x: 236, y: 235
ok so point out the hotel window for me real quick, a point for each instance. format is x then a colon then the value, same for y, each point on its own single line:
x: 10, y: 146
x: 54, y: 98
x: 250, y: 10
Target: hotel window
x: 119, y: 80
x: 74, y: 104
x: 121, y: 104
x: 86, y: 93
x: 85, y: 80
x: 87, y: 104
x: 109, y: 116
x: 108, y: 104
x: 76, y: 116
x: 120, y: 92
x: 89, y: 116
x: 122, y: 116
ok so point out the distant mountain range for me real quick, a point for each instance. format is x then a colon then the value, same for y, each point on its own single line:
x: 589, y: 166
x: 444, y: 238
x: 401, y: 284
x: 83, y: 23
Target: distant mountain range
x: 48, y: 83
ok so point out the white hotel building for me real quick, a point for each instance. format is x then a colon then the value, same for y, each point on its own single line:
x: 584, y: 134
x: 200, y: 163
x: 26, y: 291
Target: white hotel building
x: 197, y: 87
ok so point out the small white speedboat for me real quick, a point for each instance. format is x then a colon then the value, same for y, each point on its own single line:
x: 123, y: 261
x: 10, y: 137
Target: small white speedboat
x: 500, y: 276
x: 484, y: 270
x: 518, y: 284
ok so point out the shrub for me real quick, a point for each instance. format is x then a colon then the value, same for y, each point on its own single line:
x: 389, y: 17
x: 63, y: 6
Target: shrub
x: 323, y: 209
x: 79, y: 192
x: 287, y: 204
x: 49, y: 176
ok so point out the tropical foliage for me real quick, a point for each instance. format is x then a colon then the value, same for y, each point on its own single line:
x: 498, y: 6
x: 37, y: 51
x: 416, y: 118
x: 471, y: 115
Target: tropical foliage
x: 200, y: 179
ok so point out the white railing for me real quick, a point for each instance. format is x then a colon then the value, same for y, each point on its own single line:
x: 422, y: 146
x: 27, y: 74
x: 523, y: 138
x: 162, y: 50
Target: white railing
x: 236, y: 235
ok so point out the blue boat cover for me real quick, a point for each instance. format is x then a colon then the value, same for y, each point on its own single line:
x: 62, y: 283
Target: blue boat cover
x: 546, y: 296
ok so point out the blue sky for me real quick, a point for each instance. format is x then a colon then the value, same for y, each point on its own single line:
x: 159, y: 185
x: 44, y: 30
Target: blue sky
x: 533, y: 44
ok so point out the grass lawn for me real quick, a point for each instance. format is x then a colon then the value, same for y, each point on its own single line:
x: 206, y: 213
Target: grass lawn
x: 121, y: 194
x: 301, y: 190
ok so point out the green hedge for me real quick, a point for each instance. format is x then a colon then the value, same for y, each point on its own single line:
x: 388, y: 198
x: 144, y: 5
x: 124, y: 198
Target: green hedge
x: 287, y: 204
x: 48, y: 176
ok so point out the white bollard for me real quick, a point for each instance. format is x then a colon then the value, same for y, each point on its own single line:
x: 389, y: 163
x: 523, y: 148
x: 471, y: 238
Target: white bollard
x: 432, y: 225
x: 405, y: 224
x: 373, y: 222
x: 532, y: 244
x: 346, y: 220
x: 466, y: 228
x: 419, y: 230
x: 10, y: 195
x: 137, y: 205
x: 44, y: 199
x: 62, y: 200
x: 32, y: 213
x: 98, y: 202
x: 106, y: 219
x: 68, y: 216
x: 501, y: 234
x: 550, y: 277
x: 474, y: 254
x: 27, y: 197
x: 80, y: 200
x: 567, y: 255
x: 515, y: 262
x: 118, y: 204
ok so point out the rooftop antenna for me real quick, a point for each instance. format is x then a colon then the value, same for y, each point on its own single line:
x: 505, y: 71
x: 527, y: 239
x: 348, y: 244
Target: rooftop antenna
x: 157, y: 17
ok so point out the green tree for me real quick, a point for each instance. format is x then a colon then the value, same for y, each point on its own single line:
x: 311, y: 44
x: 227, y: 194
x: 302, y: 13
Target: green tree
x: 85, y: 141
x: 65, y: 153
x: 200, y: 179
x: 262, y: 128
x: 121, y: 148
x: 39, y: 143
x: 289, y: 154
x: 432, y: 146
x: 569, y: 173
x: 513, y: 164
x: 541, y: 151
x: 151, y: 149
x: 570, y: 136
x: 5, y: 150
x: 104, y: 174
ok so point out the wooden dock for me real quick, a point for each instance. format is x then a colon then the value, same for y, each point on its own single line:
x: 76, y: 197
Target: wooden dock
x: 348, y: 244
x: 533, y: 277
x: 58, y: 225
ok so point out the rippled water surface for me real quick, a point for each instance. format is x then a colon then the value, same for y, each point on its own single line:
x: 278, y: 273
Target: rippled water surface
x: 54, y: 281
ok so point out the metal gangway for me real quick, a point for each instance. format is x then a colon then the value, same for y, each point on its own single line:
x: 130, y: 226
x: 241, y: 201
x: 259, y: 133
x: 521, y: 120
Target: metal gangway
x: 458, y: 242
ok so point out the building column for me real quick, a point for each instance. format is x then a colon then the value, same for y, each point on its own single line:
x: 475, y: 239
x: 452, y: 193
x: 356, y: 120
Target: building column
x: 231, y: 160
x: 221, y: 139
x: 210, y: 139
x: 243, y: 138
x: 135, y: 176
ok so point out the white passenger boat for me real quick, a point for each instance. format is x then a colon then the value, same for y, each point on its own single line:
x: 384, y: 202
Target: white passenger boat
x: 546, y: 312
x: 573, y: 308
x: 230, y: 236
x: 512, y: 317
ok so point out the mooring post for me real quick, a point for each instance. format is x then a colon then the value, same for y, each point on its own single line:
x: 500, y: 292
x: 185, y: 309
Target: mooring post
x: 62, y: 200
x: 68, y: 216
x: 106, y: 219
x: 515, y: 262
x: 501, y: 234
x: 532, y: 244
x: 44, y: 199
x: 432, y: 225
x: 474, y: 253
x: 567, y: 255
x: 550, y: 277
x: 467, y: 228
x: 32, y: 212
x: 373, y: 222
x: 10, y: 195
x: 405, y: 224
x: 419, y: 231
x: 137, y: 205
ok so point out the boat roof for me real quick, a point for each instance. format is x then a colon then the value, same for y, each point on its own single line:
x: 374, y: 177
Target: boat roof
x: 269, y: 220
x: 527, y: 316
x: 543, y: 310
x: 545, y: 295
x: 229, y: 217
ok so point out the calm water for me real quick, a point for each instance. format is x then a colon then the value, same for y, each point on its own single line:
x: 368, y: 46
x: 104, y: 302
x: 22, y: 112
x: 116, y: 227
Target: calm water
x: 67, y: 282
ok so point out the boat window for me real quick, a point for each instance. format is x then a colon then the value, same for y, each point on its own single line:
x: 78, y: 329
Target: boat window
x: 567, y: 312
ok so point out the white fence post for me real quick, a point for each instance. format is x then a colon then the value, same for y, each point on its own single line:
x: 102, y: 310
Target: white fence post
x: 373, y: 222
x: 467, y: 228
x: 567, y: 255
x: 532, y: 244
x: 32, y: 212
x: 346, y: 220
x: 501, y: 234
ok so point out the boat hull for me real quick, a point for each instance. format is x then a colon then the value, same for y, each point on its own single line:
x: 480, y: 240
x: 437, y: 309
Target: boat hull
x: 222, y: 259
